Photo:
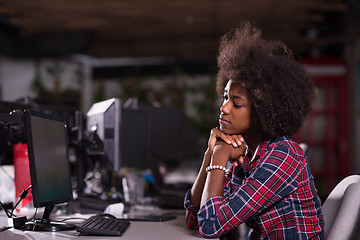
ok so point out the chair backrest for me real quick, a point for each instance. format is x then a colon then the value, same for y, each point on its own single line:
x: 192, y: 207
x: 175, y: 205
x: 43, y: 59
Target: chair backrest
x: 342, y: 210
x: 305, y: 148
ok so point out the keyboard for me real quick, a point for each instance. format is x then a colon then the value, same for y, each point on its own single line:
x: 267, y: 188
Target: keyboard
x: 103, y: 225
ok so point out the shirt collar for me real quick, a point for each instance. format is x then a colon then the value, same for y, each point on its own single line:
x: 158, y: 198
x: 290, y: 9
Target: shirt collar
x: 260, y: 149
x: 255, y: 153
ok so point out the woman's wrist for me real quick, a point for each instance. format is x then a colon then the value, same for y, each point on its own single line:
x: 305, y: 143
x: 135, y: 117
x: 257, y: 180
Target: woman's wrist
x: 216, y: 167
x: 220, y: 158
x: 206, y: 161
x: 208, y: 153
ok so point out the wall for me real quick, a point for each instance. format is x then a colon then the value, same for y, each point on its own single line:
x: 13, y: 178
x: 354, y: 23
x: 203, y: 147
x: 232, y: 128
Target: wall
x: 15, y: 78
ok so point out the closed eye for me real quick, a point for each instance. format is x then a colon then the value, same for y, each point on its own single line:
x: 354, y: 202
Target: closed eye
x: 237, y: 105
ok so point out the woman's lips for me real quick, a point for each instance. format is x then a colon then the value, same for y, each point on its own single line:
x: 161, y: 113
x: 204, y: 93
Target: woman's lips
x: 224, y: 121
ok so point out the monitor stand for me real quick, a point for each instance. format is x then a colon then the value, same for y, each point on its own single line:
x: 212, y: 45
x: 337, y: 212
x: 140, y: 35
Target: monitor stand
x: 46, y: 225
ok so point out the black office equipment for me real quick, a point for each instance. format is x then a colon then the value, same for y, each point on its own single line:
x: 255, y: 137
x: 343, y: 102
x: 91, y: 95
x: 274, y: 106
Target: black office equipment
x: 11, y: 130
x: 124, y: 133
x: 49, y: 167
x: 166, y: 133
x: 7, y: 107
x: 104, y: 120
x: 135, y: 139
x: 4, y: 228
x: 159, y: 217
x: 103, y: 225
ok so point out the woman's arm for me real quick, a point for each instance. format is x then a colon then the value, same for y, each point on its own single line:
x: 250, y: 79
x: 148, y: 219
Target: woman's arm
x: 198, y: 186
x: 222, y: 153
x: 216, y: 136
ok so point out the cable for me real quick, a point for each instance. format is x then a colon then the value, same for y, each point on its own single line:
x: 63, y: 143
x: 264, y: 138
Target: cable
x: 17, y: 222
x: 22, y: 196
x: 6, y: 211
x: 36, y: 209
x: 72, y: 218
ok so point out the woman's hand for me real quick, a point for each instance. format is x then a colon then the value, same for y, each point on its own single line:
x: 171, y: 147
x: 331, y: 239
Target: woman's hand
x: 224, y: 152
x: 231, y: 145
x: 216, y: 134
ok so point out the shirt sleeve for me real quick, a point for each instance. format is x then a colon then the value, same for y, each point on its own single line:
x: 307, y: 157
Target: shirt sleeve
x: 273, y: 179
x: 191, y: 212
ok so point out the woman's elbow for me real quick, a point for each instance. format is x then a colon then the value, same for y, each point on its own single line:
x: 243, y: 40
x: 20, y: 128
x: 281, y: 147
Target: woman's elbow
x: 210, y: 229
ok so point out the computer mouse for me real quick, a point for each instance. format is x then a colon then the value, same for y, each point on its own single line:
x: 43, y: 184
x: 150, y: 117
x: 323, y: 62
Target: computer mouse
x: 106, y: 215
x: 115, y: 209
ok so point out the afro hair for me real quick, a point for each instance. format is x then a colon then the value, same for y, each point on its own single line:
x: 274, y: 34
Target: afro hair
x: 281, y: 91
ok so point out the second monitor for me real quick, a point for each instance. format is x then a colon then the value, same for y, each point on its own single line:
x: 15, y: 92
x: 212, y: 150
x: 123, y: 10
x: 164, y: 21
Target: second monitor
x: 124, y: 133
x: 135, y: 139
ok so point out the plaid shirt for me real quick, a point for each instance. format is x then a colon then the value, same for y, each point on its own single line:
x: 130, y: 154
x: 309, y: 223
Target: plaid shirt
x: 274, y: 194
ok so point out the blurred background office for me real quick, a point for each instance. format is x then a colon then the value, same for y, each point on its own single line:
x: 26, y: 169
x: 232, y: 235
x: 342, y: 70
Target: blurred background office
x: 64, y: 56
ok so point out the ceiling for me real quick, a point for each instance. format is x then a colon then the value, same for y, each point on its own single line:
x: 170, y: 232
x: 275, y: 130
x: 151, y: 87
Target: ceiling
x: 184, y: 29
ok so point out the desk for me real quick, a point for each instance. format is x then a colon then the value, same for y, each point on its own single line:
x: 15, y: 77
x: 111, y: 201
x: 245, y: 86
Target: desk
x: 170, y: 230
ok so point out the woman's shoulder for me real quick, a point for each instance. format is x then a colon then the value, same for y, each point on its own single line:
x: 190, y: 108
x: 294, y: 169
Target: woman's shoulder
x: 281, y: 153
x: 286, y: 145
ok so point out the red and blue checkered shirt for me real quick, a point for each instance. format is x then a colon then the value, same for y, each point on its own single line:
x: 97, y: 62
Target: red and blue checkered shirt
x: 274, y: 194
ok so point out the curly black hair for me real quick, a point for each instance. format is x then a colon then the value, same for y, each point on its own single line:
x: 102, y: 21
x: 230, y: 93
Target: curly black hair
x: 281, y: 91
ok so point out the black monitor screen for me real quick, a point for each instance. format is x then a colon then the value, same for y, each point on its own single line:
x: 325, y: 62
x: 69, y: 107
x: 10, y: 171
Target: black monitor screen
x: 134, y: 139
x: 166, y: 131
x: 48, y: 159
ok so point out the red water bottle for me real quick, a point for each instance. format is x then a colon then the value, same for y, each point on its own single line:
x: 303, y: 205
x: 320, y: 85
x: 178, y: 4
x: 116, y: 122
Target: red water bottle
x: 22, y: 174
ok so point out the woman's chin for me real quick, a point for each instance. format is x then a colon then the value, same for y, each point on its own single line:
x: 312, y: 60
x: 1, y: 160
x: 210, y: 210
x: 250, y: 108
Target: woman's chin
x: 227, y: 131
x: 222, y: 128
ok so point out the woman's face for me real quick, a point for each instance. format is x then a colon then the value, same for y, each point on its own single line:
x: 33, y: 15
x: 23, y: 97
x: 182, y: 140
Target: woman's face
x: 235, y: 110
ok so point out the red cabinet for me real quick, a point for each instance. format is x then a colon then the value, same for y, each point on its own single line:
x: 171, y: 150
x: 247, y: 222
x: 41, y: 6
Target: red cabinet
x: 325, y: 131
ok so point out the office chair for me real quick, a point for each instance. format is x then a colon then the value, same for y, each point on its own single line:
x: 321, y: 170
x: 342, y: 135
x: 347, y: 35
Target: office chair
x: 305, y: 148
x: 341, y: 210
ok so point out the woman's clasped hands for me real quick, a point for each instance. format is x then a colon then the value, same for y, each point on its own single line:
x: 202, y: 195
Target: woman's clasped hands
x: 232, y: 148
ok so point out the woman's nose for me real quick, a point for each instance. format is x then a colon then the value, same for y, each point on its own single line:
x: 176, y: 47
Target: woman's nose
x: 226, y: 106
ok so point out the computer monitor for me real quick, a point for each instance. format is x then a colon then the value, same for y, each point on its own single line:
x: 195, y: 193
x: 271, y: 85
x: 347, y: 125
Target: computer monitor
x: 49, y: 167
x: 135, y: 139
x: 166, y: 133
x: 124, y: 133
x: 103, y: 119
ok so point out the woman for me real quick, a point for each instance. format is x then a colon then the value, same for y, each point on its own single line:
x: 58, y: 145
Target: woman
x: 269, y: 186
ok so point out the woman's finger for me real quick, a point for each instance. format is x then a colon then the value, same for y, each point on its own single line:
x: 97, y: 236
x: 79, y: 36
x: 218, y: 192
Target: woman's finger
x: 226, y: 138
x: 238, y: 139
x: 234, y: 140
x: 212, y: 140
